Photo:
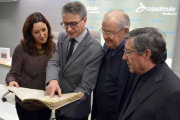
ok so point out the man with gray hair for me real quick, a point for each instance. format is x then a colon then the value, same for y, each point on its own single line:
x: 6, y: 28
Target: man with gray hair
x: 75, y: 64
x: 114, y: 79
x: 156, y: 91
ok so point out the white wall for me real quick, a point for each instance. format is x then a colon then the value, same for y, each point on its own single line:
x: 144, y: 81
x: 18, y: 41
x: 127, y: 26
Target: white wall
x: 12, y: 18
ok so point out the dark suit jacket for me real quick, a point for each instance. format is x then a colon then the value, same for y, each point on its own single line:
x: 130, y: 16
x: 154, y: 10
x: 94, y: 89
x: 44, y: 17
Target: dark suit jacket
x: 125, y: 78
x: 158, y: 99
x: 79, y: 74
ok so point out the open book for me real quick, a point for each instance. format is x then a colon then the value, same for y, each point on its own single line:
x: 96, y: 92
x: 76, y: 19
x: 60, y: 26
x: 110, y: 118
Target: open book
x: 40, y: 98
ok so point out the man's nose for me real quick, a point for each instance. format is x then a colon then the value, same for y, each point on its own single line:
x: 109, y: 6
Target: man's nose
x: 124, y: 56
x: 105, y: 36
x: 69, y: 28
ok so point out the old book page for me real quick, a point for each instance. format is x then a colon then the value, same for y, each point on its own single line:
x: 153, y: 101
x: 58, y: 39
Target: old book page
x: 40, y: 98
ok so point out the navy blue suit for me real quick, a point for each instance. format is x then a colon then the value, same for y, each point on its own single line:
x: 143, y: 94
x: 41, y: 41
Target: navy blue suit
x: 116, y: 81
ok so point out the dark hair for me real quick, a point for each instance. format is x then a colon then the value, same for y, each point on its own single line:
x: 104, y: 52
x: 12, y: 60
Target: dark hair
x: 149, y: 38
x: 28, y: 41
x: 75, y: 8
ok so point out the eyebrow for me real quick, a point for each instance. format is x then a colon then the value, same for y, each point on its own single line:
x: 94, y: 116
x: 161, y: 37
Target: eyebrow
x: 38, y: 29
x: 107, y: 30
x: 71, y: 22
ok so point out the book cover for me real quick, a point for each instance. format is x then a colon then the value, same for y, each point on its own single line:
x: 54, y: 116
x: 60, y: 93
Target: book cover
x: 4, y: 53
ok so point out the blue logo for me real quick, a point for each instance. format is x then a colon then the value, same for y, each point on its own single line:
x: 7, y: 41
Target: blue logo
x: 98, y: 18
x: 108, y: 9
x: 169, y: 54
x: 90, y: 27
x: 127, y: 9
x: 168, y: 32
x: 135, y: 20
x: 157, y: 20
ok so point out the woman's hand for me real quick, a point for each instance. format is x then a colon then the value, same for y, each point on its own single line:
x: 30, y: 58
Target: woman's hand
x: 13, y: 83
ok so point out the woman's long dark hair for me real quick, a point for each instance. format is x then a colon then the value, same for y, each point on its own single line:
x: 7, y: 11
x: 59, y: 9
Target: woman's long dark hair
x: 28, y: 41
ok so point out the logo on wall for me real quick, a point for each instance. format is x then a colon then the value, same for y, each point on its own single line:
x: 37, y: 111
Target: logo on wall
x: 92, y: 9
x: 165, y: 10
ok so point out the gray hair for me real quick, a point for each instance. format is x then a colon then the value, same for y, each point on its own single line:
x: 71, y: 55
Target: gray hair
x: 121, y: 17
x: 149, y: 38
x: 75, y: 8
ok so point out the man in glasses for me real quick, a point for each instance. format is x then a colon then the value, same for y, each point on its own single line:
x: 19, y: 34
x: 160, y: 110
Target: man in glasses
x: 75, y: 64
x: 156, y: 91
x: 114, y: 79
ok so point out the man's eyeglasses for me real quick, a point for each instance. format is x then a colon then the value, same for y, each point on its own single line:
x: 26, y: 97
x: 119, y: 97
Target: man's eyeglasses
x: 127, y: 53
x: 109, y: 33
x: 72, y: 24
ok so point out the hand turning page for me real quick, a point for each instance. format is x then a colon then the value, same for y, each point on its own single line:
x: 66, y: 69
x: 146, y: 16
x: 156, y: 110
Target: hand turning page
x: 40, y: 98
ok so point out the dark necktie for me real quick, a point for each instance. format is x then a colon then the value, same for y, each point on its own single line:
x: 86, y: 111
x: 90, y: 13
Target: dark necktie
x: 72, y: 43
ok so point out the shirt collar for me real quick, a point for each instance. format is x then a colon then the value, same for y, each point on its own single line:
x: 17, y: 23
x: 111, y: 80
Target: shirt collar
x: 80, y: 37
x: 152, y: 70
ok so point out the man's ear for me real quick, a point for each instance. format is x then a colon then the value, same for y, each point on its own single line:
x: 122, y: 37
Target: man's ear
x: 126, y: 30
x: 147, y: 54
x: 85, y: 19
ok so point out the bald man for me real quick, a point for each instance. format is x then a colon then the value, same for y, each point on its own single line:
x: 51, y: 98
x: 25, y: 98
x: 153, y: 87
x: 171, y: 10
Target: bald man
x: 114, y: 80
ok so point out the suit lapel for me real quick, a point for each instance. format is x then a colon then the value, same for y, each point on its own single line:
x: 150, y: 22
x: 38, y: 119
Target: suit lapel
x: 64, y: 45
x: 105, y: 55
x: 78, y: 50
x: 149, y: 87
x: 146, y: 91
x: 129, y: 97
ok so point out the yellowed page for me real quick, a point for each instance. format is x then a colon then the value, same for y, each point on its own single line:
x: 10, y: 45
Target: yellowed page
x: 37, y: 96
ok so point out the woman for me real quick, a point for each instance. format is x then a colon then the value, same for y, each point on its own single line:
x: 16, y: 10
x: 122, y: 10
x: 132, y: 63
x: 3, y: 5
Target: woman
x: 29, y: 63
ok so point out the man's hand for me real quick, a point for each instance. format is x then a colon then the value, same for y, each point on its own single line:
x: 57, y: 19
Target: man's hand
x: 13, y: 83
x: 52, y: 88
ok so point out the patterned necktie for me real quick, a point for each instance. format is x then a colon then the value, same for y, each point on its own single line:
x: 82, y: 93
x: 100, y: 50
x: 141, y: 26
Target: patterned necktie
x: 72, y: 43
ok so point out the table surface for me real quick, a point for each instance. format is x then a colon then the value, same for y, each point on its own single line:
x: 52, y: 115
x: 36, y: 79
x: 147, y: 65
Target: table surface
x: 5, y: 62
x: 7, y: 109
